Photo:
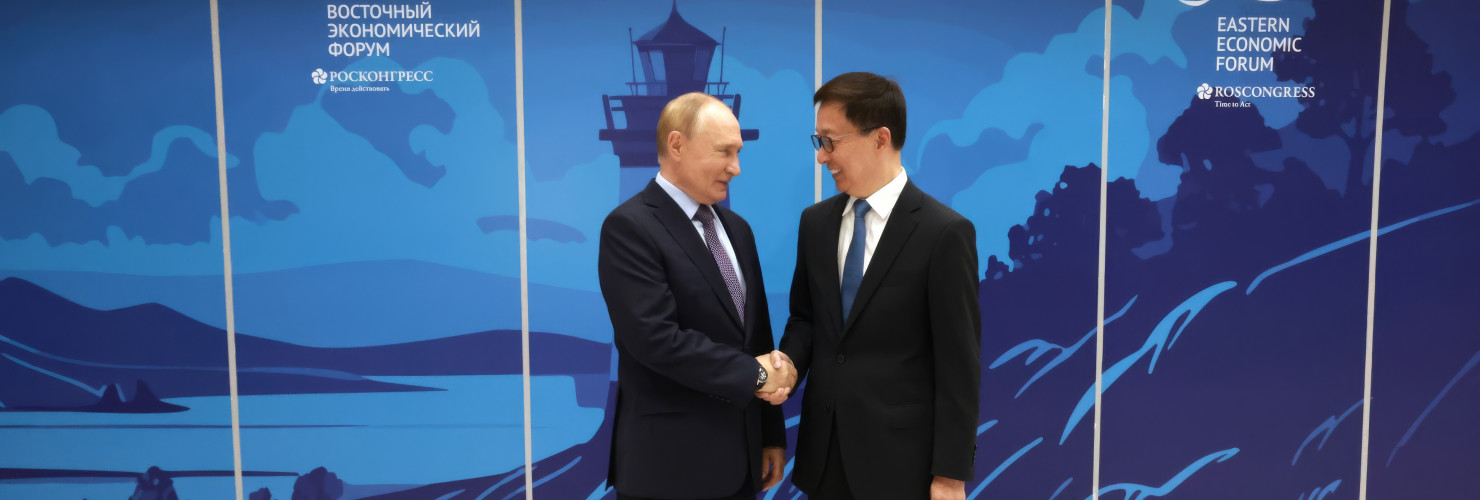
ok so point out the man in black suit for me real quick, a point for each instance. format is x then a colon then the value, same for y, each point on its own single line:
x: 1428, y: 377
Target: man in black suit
x: 682, y: 283
x: 884, y: 315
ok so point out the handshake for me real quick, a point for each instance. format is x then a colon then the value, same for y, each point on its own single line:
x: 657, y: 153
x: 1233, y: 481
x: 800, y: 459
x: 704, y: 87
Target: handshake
x: 781, y: 377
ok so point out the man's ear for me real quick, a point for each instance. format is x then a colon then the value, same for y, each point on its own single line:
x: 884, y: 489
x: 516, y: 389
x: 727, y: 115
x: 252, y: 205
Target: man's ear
x: 675, y: 144
x: 883, y: 139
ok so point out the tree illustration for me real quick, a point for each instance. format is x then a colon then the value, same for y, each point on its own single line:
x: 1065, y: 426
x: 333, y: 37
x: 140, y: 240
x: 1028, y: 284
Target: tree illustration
x: 1213, y: 146
x: 1064, y: 228
x: 1338, y: 58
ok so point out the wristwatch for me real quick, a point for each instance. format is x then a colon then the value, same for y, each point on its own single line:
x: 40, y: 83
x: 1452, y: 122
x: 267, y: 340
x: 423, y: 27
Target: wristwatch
x: 760, y: 380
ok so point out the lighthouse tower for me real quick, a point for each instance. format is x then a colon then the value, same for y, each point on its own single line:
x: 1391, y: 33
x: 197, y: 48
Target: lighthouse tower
x: 675, y: 59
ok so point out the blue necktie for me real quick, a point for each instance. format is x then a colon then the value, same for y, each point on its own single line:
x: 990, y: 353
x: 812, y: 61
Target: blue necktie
x: 853, y: 263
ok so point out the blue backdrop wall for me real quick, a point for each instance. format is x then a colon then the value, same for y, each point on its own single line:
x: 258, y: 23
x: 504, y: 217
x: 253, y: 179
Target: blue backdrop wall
x: 341, y: 311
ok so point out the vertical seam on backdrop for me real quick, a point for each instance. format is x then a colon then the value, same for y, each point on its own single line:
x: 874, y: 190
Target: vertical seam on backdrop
x: 523, y: 247
x: 1100, y: 284
x: 1372, y: 249
x: 816, y: 84
x: 236, y: 425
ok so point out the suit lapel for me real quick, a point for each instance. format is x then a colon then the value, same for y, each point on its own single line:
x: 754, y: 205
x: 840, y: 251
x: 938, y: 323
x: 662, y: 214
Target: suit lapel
x: 825, y: 251
x: 902, y: 222
x: 682, y: 231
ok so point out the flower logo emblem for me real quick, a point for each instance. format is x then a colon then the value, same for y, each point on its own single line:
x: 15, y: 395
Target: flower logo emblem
x: 319, y: 76
x: 1204, y: 91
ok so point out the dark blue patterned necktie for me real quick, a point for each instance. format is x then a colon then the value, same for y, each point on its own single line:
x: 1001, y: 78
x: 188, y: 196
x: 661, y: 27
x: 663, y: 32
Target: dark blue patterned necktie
x: 853, y: 263
x: 705, y: 216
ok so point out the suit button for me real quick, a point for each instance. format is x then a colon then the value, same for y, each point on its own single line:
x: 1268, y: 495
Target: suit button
x: 840, y: 359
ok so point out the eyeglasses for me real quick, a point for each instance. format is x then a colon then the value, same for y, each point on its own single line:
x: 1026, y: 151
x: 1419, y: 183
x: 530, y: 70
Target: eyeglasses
x: 827, y: 143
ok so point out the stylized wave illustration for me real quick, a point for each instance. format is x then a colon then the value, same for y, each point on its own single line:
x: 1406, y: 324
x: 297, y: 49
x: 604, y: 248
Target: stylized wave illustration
x: 602, y: 489
x: 1324, y: 430
x: 1320, y: 492
x: 516, y: 474
x: 1338, y: 244
x: 1162, y: 338
x: 1142, y: 492
x: 1002, y: 467
x: 1061, y: 488
x: 1038, y: 347
x: 542, y: 480
x: 1445, y: 392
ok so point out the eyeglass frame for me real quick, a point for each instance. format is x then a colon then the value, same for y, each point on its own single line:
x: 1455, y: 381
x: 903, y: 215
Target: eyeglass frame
x: 831, y: 143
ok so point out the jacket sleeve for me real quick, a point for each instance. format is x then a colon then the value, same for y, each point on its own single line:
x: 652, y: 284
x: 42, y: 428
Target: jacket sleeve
x: 762, y: 341
x: 773, y: 422
x: 644, y: 318
x: 955, y: 319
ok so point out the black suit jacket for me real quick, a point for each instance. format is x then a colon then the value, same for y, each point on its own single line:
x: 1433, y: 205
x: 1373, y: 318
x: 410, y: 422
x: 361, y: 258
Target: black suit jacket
x: 899, y: 376
x: 688, y: 424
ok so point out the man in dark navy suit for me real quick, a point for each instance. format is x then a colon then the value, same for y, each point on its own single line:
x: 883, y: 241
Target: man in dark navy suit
x: 682, y: 283
x: 885, y: 324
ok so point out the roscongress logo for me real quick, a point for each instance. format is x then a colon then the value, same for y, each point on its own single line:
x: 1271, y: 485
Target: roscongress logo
x: 1207, y: 91
x: 365, y: 81
x: 321, y: 77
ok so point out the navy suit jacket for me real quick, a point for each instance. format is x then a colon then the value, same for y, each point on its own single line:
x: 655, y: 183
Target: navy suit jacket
x: 899, y: 376
x: 688, y: 424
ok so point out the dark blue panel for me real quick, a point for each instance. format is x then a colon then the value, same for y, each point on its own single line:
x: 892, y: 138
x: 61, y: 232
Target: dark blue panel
x: 1237, y: 372
x: 1005, y: 128
x: 1425, y: 378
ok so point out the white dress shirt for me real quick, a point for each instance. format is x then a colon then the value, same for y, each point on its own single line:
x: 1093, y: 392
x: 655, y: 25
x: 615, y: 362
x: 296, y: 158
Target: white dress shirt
x: 881, y: 205
x: 691, y: 207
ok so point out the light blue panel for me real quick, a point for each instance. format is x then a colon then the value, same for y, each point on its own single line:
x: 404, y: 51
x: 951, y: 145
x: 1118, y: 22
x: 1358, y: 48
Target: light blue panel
x: 576, y: 52
x: 378, y: 302
x: 109, y: 207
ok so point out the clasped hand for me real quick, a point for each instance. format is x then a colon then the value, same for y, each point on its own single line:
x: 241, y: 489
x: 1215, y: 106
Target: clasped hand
x: 780, y: 380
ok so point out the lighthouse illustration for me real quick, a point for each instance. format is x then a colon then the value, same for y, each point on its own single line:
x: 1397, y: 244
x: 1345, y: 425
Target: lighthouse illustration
x: 676, y: 59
